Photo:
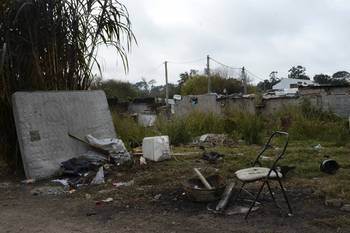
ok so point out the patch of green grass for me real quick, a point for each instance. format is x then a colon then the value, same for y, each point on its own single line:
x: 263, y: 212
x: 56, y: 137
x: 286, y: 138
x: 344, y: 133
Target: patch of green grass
x: 130, y: 131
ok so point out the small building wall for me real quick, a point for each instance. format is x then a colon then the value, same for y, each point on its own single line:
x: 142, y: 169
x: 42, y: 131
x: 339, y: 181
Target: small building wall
x: 329, y: 98
x: 204, y: 103
x: 238, y: 104
x: 270, y: 106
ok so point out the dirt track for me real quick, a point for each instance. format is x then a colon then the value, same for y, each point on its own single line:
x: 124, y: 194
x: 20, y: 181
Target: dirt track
x: 172, y: 212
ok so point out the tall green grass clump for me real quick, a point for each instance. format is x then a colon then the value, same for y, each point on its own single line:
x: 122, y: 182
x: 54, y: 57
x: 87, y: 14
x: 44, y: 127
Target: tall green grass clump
x: 199, y: 123
x: 130, y: 131
x: 245, y: 125
x: 175, y: 128
x: 306, y: 122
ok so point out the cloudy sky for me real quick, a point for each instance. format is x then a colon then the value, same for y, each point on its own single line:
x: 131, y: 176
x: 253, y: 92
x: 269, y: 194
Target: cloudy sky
x: 262, y: 35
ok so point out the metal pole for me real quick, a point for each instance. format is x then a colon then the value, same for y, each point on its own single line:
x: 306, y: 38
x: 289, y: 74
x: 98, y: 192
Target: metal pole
x: 166, y: 83
x: 208, y: 73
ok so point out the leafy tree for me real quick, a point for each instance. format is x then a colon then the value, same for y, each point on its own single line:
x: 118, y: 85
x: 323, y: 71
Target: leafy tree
x: 198, y: 84
x: 298, y: 72
x: 267, y: 84
x: 159, y: 91
x: 121, y: 90
x: 337, y: 79
x: 145, y: 86
x: 341, y: 75
x: 186, y: 75
x: 322, y: 79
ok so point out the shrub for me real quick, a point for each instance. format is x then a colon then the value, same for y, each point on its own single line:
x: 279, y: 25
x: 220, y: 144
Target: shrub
x: 130, y: 131
x: 175, y: 129
x: 307, y: 122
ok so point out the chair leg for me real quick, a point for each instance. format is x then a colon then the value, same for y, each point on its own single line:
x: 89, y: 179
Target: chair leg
x: 271, y: 193
x: 256, y: 198
x: 285, y: 196
x: 239, y: 192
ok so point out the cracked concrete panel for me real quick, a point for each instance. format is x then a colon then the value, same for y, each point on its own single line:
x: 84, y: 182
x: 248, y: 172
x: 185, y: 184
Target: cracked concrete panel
x: 44, y: 120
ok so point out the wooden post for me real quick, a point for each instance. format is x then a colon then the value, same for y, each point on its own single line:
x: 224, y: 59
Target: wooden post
x: 208, y: 73
x: 226, y: 196
x: 166, y: 83
x: 202, y: 178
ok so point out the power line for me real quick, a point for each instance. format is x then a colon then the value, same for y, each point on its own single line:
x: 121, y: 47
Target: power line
x: 220, y: 63
x: 186, y: 62
x: 254, y: 75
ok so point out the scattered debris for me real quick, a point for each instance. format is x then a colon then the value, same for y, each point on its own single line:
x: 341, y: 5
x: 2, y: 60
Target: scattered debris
x: 91, y: 214
x: 87, y: 195
x: 48, y: 190
x: 99, y: 178
x: 90, y: 168
x: 226, y: 196
x: 115, y: 147
x: 143, y: 161
x: 240, y: 210
x: 215, y: 140
x: 72, y: 191
x: 109, y: 199
x: 211, y: 156
x: 157, y: 197
x: 5, y: 185
x: 336, y: 202
x: 63, y: 182
x: 317, y: 147
x: 266, y: 158
x: 345, y: 208
x: 156, y: 148
x: 329, y: 166
x: 28, y: 181
x: 196, y: 191
x: 119, y: 184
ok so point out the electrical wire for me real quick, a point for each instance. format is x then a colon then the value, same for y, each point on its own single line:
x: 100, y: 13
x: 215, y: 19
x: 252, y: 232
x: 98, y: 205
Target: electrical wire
x: 254, y: 75
x: 186, y: 62
x: 220, y: 63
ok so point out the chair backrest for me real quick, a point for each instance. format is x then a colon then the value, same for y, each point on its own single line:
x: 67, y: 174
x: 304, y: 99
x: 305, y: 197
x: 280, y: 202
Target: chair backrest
x: 268, y: 145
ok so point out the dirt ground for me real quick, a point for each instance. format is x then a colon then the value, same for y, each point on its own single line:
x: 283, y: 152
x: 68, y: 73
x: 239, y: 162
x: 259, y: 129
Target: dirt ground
x: 171, y: 211
x: 156, y: 202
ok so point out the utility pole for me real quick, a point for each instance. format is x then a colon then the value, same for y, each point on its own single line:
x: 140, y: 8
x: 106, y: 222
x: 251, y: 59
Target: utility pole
x: 244, y: 79
x: 208, y: 73
x: 166, y: 83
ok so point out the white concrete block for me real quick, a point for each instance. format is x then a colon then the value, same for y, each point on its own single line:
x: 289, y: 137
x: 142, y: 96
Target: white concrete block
x: 156, y: 148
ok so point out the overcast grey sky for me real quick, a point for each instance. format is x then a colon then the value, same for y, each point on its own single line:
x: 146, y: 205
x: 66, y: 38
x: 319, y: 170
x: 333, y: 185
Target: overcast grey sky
x: 262, y: 35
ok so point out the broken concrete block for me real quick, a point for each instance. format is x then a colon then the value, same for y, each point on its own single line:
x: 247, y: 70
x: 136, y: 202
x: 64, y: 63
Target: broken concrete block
x: 44, y: 119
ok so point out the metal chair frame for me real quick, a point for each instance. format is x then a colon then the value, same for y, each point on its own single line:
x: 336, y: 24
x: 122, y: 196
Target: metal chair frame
x: 266, y: 179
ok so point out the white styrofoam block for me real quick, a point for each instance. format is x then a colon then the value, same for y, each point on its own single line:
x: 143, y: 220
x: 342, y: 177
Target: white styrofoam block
x: 156, y: 148
x: 44, y: 119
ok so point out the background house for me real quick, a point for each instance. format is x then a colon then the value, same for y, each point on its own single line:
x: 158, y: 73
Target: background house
x: 289, y: 86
